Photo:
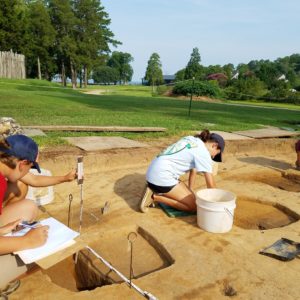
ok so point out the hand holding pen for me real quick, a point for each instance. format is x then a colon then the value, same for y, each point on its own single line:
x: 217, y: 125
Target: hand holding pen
x: 36, y: 236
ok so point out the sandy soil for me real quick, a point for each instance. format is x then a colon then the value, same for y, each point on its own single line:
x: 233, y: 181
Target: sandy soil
x: 174, y: 258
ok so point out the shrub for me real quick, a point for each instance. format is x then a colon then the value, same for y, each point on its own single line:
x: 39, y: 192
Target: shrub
x: 245, y: 89
x: 198, y: 88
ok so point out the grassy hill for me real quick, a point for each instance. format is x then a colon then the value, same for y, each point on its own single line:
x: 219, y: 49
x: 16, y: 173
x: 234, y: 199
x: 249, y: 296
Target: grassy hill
x: 34, y: 102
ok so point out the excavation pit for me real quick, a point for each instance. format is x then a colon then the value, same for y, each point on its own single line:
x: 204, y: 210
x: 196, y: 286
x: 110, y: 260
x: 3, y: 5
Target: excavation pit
x: 276, y: 179
x: 148, y: 256
x: 185, y: 261
x: 253, y: 214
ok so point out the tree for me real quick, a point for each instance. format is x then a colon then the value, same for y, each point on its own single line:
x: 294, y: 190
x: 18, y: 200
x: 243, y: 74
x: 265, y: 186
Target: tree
x: 179, y: 75
x: 228, y: 70
x: 93, y: 36
x: 13, y: 26
x: 193, y: 68
x: 42, y: 37
x: 121, y: 61
x: 246, y: 88
x: 212, y: 69
x: 66, y: 48
x: 105, y: 75
x: 154, y: 73
x: 268, y: 72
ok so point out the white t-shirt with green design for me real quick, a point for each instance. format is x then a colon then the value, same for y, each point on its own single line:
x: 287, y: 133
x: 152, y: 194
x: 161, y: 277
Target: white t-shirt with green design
x: 186, y: 154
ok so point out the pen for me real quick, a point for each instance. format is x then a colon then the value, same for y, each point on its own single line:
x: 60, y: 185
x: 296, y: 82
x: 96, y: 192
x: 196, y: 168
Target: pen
x: 28, y: 225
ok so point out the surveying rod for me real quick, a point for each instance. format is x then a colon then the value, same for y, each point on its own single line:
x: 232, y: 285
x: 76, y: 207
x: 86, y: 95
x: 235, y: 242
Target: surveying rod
x: 80, y: 182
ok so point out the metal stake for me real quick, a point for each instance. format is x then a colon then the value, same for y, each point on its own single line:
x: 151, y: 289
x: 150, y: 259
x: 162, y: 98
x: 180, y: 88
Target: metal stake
x: 69, y: 214
x: 131, y: 238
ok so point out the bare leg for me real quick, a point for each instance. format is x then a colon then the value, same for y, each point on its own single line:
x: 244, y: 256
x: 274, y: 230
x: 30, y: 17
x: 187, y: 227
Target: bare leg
x: 298, y: 160
x: 15, y: 192
x: 25, y: 209
x: 180, y: 197
x: 16, y: 206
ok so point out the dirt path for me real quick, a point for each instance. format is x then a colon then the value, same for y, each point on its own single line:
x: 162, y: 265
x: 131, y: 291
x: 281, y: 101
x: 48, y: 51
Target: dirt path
x: 96, y: 92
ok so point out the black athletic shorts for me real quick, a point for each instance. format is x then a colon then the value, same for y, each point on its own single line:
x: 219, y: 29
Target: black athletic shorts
x: 160, y: 189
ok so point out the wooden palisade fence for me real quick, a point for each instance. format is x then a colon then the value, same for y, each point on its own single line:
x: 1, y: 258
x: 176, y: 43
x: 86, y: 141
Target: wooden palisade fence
x: 12, y: 65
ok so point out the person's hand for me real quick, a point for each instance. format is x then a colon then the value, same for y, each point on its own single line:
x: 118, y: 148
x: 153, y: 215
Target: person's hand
x: 72, y: 175
x: 9, y: 227
x: 36, y: 237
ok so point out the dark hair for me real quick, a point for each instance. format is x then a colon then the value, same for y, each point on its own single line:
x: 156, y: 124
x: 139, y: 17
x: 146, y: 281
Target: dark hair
x: 6, y: 159
x: 204, y: 136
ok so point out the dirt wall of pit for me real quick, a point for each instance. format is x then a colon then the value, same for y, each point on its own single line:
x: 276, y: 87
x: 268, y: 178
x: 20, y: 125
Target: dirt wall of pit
x: 62, y: 159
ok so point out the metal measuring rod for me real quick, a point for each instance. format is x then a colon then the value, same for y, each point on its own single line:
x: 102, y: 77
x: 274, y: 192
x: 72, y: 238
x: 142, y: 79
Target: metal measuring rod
x: 80, y: 182
x: 132, y: 236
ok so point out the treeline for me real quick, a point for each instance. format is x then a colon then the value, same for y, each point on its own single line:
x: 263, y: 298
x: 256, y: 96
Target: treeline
x: 266, y: 80
x: 67, y: 37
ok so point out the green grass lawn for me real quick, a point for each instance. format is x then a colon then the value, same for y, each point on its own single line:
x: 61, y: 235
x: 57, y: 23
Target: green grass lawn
x: 33, y: 102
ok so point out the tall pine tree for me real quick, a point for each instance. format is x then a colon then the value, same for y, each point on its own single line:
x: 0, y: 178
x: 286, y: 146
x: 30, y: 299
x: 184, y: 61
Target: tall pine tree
x: 93, y: 36
x: 193, y: 68
x: 154, y: 72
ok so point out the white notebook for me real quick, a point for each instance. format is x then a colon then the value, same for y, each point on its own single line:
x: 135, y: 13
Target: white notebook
x: 59, y: 237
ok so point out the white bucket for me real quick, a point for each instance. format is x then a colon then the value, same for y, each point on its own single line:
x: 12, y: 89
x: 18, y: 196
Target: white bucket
x: 40, y: 195
x: 215, y: 210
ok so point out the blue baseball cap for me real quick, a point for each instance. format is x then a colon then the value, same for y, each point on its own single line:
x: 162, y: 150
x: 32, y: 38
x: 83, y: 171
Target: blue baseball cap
x: 22, y: 147
x: 217, y: 138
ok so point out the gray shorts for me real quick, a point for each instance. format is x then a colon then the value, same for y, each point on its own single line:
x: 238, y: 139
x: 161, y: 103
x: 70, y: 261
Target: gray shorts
x: 11, y: 268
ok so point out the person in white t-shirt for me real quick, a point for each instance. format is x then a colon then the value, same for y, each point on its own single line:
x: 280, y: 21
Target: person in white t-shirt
x: 190, y: 154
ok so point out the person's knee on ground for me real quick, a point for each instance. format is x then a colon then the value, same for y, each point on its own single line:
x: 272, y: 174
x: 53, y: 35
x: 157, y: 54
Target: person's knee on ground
x: 25, y: 209
x: 16, y: 191
x: 180, y: 197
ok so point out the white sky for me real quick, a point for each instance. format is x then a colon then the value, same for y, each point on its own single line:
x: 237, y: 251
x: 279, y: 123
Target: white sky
x: 225, y: 31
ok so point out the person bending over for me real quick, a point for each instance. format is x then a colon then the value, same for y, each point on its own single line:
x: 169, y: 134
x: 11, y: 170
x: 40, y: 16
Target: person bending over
x: 18, y: 154
x: 190, y: 154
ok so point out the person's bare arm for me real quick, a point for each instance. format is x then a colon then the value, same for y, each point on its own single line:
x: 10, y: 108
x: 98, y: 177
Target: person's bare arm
x: 32, y: 239
x: 42, y: 181
x: 9, y: 227
x: 192, y: 178
x: 210, y: 183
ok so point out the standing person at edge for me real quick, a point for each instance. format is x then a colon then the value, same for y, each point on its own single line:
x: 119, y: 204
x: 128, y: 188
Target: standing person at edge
x: 18, y: 154
x: 190, y: 153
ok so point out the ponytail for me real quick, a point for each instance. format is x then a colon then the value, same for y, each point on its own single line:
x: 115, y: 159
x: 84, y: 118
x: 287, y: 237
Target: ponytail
x: 204, y: 136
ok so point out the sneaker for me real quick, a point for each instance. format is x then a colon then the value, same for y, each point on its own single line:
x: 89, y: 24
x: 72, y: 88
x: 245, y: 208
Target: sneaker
x: 147, y: 200
x: 10, y: 288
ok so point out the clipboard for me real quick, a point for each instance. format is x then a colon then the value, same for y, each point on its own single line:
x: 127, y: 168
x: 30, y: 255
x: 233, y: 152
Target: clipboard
x: 61, y: 243
x: 53, y: 259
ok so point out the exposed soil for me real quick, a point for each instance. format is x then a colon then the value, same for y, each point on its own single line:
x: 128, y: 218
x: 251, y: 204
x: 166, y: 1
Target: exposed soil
x: 196, y: 264
x: 251, y: 214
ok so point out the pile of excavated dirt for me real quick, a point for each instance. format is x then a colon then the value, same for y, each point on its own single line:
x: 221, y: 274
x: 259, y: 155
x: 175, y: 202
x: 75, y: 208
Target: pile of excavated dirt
x: 173, y: 258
